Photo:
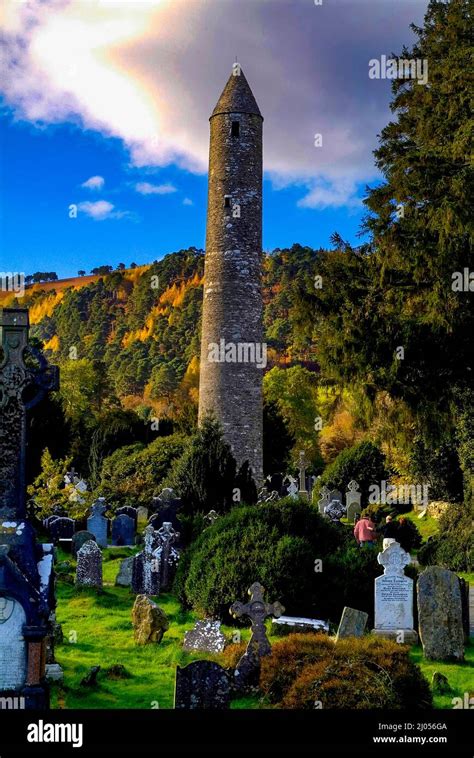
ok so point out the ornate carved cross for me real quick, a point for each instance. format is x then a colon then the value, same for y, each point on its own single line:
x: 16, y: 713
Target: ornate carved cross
x: 168, y: 536
x: 25, y: 377
x: 257, y: 610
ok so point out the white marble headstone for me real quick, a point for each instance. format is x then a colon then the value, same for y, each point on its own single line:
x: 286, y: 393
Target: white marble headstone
x: 393, y: 591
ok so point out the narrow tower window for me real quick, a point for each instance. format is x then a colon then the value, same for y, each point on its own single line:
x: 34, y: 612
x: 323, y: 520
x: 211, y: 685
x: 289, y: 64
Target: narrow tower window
x: 226, y: 201
x: 236, y: 128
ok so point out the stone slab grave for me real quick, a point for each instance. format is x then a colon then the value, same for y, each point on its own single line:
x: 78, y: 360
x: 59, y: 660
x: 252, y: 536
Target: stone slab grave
x: 352, y: 623
x: 89, y: 566
x: 123, y: 531
x: 205, y: 636
x: 124, y: 576
x: 202, y: 685
x: 440, y: 614
x: 97, y: 524
x: 298, y: 625
x: 353, y: 496
x: 257, y: 610
x: 149, y: 621
x: 394, y: 597
x: 78, y: 540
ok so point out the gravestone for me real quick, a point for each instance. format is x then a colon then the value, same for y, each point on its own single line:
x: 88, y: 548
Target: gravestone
x: 26, y: 574
x: 12, y: 645
x: 206, y: 636
x: 275, y: 483
x: 62, y: 528
x: 127, y: 510
x: 324, y: 500
x: 466, y: 615
x: 210, y: 518
x: 302, y: 466
x: 335, y: 510
x: 202, y: 685
x: 292, y: 487
x: 123, y: 531
x: 124, y: 576
x: 78, y: 540
x: 298, y: 625
x: 394, y: 597
x: 352, y: 623
x: 97, y: 523
x: 145, y: 567
x: 353, y: 496
x: 440, y: 615
x: 89, y: 566
x: 166, y: 555
x: 149, y: 621
x: 257, y: 610
x: 142, y: 516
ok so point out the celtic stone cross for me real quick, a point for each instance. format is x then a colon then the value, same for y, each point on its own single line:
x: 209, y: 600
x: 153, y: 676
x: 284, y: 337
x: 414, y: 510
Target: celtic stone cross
x: 25, y: 377
x: 257, y: 610
x: 302, y: 465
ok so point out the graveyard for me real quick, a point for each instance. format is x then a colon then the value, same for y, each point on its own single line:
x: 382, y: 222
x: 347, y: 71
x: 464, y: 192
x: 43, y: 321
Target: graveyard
x: 239, y: 477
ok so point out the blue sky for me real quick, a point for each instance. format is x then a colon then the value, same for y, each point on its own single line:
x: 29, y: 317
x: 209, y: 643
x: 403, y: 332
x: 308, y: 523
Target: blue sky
x: 90, y: 91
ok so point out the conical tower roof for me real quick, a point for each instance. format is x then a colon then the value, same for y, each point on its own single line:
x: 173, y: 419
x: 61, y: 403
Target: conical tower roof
x: 237, y: 97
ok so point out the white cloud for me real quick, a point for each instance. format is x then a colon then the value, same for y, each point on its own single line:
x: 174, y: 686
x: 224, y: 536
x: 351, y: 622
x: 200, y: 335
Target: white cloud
x: 145, y: 188
x: 187, y: 201
x: 94, y: 182
x: 150, y: 72
x: 101, y: 210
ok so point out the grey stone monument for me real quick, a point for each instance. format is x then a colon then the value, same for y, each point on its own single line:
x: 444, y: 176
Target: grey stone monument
x: 123, y: 531
x: 97, y: 523
x: 394, y: 597
x: 206, y: 636
x: 89, y: 566
x: 353, y: 496
x: 352, y: 623
x: 440, y: 614
x: 202, y: 685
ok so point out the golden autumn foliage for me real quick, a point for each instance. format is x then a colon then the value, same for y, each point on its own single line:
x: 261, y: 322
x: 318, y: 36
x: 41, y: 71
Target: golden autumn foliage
x: 52, y: 344
x: 45, y: 307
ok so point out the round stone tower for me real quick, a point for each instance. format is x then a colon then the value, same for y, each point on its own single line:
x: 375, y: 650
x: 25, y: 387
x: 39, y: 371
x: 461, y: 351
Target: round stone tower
x: 233, y: 356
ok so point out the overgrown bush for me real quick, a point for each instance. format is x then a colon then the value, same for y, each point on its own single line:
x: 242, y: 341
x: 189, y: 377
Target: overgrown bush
x: 364, y: 463
x: 353, y: 673
x: 134, y: 473
x: 276, y: 544
x: 453, y: 546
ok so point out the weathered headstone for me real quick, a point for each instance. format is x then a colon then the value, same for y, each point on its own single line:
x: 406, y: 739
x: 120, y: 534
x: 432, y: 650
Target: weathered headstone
x: 166, y: 555
x: 149, y: 621
x: 324, y: 500
x: 335, y: 510
x: 257, y: 610
x: 206, y: 636
x: 142, y: 516
x: 62, y: 528
x: 145, y: 567
x: 127, y: 510
x: 123, y: 531
x: 12, y: 645
x: 124, y: 576
x: 89, y: 566
x: 440, y: 614
x: 394, y: 597
x: 353, y: 496
x: 352, y: 623
x: 78, y: 540
x: 202, y: 685
x: 97, y: 523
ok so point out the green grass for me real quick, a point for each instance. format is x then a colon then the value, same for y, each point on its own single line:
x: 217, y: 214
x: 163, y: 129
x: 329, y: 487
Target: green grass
x: 101, y: 622
x: 460, y: 675
x: 427, y: 526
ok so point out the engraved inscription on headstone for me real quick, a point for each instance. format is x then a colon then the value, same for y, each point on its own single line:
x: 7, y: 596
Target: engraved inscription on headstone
x: 12, y: 645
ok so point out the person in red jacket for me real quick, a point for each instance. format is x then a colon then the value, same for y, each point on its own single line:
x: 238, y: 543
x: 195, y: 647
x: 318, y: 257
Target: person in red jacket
x: 364, y: 532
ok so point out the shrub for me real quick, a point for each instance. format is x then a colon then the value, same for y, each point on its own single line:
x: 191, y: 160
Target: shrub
x: 363, y: 462
x: 134, y: 474
x: 353, y: 673
x: 273, y: 543
x: 453, y: 547
x: 205, y: 475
